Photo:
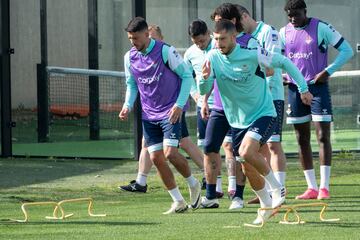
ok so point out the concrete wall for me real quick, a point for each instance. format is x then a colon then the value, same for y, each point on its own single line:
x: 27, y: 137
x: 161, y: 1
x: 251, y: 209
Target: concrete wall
x: 67, y: 32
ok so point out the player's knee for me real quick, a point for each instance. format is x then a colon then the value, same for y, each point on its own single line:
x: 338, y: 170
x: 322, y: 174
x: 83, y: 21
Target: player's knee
x: 323, y: 138
x: 246, y: 153
x: 274, y: 147
x: 171, y: 154
x: 227, y: 146
x: 156, y: 158
x: 303, y: 139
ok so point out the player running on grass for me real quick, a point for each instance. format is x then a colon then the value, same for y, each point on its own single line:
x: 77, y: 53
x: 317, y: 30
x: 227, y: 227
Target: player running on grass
x: 219, y: 125
x: 269, y: 39
x: 159, y: 74
x: 194, y: 57
x: 145, y: 164
x: 306, y: 42
x: 248, y: 105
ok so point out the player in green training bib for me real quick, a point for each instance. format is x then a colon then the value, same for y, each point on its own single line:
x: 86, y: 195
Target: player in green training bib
x: 248, y: 105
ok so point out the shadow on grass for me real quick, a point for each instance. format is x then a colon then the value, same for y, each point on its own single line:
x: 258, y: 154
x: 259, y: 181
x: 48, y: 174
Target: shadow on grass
x: 23, y: 172
x: 109, y: 223
x: 334, y: 224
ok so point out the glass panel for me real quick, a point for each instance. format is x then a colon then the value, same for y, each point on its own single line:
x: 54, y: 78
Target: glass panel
x: 67, y: 32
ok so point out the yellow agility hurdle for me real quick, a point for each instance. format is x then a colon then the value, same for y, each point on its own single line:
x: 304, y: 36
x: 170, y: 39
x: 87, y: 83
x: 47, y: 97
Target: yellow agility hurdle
x: 26, y: 215
x: 292, y: 208
x: 63, y: 216
x: 58, y: 213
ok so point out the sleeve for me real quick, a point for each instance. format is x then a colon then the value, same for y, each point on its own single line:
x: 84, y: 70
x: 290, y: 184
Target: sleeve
x: 206, y: 85
x: 276, y: 60
x: 131, y: 86
x: 329, y: 36
x: 272, y: 44
x: 193, y: 90
x: 178, y: 66
x: 282, y: 39
x: 272, y: 41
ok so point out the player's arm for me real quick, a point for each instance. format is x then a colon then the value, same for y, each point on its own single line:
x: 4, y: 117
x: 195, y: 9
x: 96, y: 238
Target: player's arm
x: 334, y: 38
x: 178, y: 66
x: 205, y: 111
x: 207, y: 79
x: 276, y: 60
x: 131, y: 89
x: 272, y: 44
x: 193, y: 90
x: 282, y: 47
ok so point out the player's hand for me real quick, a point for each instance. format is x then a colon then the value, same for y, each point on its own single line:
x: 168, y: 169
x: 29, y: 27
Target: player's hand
x: 124, y: 113
x: 321, y: 77
x: 205, y: 113
x: 196, y: 97
x: 269, y: 72
x: 175, y: 114
x: 306, y: 98
x: 206, y: 70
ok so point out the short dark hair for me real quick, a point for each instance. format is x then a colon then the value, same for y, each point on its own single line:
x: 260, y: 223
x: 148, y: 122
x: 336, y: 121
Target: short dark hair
x: 228, y: 11
x: 294, y: 4
x: 137, y: 24
x: 197, y: 27
x: 224, y: 24
x: 241, y: 9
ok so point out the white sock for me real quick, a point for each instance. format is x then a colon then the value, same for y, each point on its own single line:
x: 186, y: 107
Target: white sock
x: 280, y: 176
x: 267, y: 186
x: 325, y: 176
x: 141, y: 179
x: 270, y: 178
x: 310, y: 179
x: 232, y: 183
x: 176, y: 195
x: 219, y: 184
x: 191, y: 181
x: 264, y: 197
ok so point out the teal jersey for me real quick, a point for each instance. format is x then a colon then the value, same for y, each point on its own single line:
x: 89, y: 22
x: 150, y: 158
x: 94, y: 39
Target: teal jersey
x: 269, y: 39
x: 194, y: 58
x: 243, y: 89
x: 327, y: 35
x: 175, y: 63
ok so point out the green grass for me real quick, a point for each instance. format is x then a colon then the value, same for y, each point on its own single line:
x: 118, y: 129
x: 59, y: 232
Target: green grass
x: 138, y: 216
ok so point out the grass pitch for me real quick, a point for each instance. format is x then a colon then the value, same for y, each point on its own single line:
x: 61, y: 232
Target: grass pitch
x: 138, y: 216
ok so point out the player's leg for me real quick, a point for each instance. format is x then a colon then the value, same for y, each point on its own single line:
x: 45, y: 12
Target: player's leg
x: 325, y: 155
x: 172, y: 135
x: 230, y: 165
x: 145, y: 164
x: 322, y: 116
x: 201, y: 129
x: 216, y: 130
x: 189, y: 147
x: 236, y: 176
x: 277, y: 155
x: 257, y: 134
x: 153, y: 135
x: 300, y: 116
x: 256, y: 181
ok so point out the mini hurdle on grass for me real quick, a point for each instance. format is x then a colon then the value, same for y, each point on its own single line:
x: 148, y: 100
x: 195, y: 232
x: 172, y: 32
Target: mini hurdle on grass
x: 58, y: 207
x: 292, y: 208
